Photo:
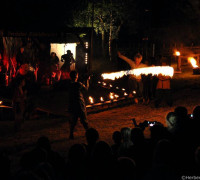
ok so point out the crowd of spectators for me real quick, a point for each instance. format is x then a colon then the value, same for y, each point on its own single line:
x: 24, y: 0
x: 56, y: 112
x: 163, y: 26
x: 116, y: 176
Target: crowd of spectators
x: 171, y: 153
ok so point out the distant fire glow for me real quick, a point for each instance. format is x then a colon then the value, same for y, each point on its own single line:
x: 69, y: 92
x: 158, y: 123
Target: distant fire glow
x: 193, y: 62
x: 177, y: 53
x: 111, y: 95
x: 116, y: 96
x: 156, y: 70
x: 91, y: 99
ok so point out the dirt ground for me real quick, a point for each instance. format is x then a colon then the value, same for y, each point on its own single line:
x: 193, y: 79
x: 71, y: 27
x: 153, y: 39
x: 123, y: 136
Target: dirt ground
x: 186, y: 92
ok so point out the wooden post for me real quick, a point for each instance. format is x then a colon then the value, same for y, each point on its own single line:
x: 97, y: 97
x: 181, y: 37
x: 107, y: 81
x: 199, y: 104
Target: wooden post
x: 178, y: 63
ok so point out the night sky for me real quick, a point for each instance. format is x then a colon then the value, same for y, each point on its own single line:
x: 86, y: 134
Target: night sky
x: 36, y: 14
x: 57, y: 14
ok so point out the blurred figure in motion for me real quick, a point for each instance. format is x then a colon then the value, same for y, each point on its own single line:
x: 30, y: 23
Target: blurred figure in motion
x: 77, y: 106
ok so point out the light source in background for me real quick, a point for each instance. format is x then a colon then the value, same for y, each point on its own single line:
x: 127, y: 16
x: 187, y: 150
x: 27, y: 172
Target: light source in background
x: 123, y: 89
x: 125, y: 94
x: 86, y: 54
x: 177, y: 53
x: 111, y: 95
x: 99, y: 82
x: 1, y: 102
x: 91, y: 100
x: 101, y: 99
x: 193, y: 62
x: 110, y: 85
x: 134, y: 92
x: 61, y: 49
x: 117, y: 87
x: 116, y: 96
x: 104, y: 84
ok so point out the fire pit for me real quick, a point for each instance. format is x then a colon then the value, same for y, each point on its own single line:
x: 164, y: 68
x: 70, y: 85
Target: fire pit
x: 196, y: 71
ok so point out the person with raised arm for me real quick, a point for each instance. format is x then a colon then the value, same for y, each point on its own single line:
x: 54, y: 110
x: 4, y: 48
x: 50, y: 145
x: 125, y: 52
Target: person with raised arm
x: 135, y: 82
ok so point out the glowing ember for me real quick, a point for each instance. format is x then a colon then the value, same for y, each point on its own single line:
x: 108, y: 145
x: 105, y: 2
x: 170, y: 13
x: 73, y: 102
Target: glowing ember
x: 125, y: 94
x: 111, y: 95
x: 177, y: 53
x: 134, y: 92
x: 101, y: 99
x: 91, y: 99
x: 193, y: 62
x: 164, y: 70
x: 116, y: 96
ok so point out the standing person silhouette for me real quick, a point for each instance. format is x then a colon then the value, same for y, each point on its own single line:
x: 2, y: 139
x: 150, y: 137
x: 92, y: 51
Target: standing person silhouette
x: 68, y: 60
x: 77, y: 106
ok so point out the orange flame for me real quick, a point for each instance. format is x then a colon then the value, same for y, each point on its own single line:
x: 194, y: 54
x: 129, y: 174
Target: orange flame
x: 177, y: 53
x: 164, y: 70
x: 193, y: 62
x: 134, y: 92
x: 125, y: 94
x: 91, y: 99
x: 116, y: 96
x: 111, y: 95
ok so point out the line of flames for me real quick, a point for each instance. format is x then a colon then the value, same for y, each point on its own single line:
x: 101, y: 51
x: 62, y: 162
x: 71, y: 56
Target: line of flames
x: 154, y: 71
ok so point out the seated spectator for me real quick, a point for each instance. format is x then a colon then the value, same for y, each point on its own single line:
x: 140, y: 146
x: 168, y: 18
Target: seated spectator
x: 163, y: 162
x: 76, y: 168
x: 125, y: 169
x: 117, y: 143
x: 101, y: 166
x: 53, y: 158
x: 92, y: 137
x: 45, y: 171
x: 126, y: 141
x: 140, y: 152
x: 159, y: 132
x: 171, y: 121
x: 182, y: 115
x: 31, y: 160
x: 137, y: 136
